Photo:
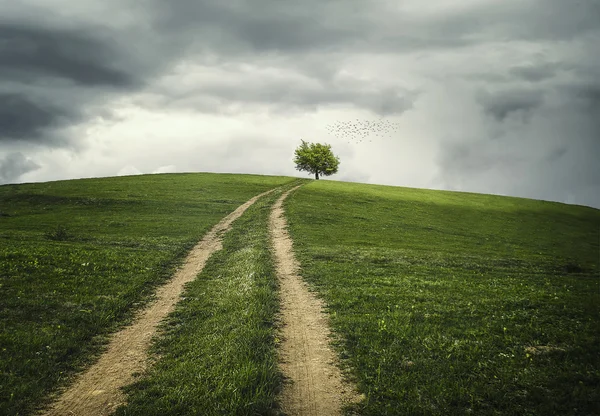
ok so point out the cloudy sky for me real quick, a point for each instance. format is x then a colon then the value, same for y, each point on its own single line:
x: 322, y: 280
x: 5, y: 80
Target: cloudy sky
x: 492, y: 96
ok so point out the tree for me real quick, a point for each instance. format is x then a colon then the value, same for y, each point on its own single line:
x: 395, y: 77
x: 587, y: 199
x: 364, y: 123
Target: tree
x: 316, y: 158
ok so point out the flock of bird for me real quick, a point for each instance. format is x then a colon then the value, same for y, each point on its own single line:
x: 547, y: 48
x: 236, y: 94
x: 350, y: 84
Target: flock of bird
x: 357, y: 131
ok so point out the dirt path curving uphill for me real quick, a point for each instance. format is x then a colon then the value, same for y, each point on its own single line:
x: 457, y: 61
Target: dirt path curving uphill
x: 315, y: 386
x: 98, y: 390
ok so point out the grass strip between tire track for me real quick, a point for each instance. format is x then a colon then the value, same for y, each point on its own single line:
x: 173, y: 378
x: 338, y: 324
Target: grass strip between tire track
x: 217, y: 351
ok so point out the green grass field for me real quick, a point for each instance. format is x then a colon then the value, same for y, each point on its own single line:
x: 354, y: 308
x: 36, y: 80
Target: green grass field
x: 453, y: 303
x: 442, y: 303
x: 77, y: 257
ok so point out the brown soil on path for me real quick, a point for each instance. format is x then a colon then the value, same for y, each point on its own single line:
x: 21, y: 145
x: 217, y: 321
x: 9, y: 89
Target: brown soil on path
x: 315, y: 385
x: 98, y: 390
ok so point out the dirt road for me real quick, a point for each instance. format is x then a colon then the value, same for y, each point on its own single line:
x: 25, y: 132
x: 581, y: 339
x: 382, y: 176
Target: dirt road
x: 314, y: 384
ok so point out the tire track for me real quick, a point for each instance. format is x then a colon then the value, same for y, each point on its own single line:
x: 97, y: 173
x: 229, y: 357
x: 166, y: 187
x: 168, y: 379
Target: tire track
x: 97, y: 391
x: 314, y: 384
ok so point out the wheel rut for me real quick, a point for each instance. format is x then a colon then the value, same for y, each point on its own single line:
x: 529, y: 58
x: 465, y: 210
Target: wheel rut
x: 314, y: 384
x: 97, y: 391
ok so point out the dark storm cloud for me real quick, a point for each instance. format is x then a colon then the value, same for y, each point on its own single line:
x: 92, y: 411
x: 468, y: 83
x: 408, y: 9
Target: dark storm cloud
x: 474, y: 157
x: 558, y: 20
x: 543, y: 137
x: 557, y: 154
x: 53, y: 78
x: 502, y: 104
x: 240, y: 31
x: 582, y: 102
x: 353, y: 25
x: 287, y: 93
x: 262, y: 25
x: 297, y: 34
x: 534, y: 73
x: 13, y: 165
x: 43, y: 52
x: 528, y: 20
x: 552, y: 156
x: 22, y: 118
x: 586, y: 95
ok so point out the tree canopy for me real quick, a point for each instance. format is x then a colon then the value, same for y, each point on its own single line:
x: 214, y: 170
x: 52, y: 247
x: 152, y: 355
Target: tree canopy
x: 316, y: 158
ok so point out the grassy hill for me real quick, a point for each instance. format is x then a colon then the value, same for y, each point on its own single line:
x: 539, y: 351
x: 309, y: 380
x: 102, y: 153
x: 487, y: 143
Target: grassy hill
x: 78, y: 257
x: 456, y: 303
x: 443, y: 302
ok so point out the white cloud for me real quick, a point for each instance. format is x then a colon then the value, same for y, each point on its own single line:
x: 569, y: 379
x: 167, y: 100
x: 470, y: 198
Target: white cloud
x: 129, y: 170
x: 166, y: 169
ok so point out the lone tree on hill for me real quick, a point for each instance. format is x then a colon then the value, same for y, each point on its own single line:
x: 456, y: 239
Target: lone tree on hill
x: 316, y: 158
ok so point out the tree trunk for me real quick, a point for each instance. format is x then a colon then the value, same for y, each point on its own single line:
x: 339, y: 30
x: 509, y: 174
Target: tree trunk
x: 316, y: 175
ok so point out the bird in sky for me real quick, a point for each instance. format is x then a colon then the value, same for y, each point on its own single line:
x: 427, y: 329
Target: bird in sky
x: 357, y: 131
